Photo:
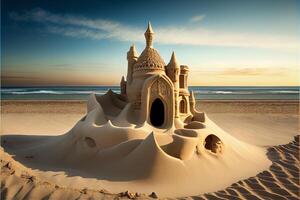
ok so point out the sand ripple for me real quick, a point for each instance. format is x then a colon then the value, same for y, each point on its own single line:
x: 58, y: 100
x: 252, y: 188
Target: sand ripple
x: 280, y: 181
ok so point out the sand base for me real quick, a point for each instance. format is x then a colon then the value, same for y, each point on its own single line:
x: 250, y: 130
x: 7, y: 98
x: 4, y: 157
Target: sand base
x: 249, y: 130
x: 280, y: 181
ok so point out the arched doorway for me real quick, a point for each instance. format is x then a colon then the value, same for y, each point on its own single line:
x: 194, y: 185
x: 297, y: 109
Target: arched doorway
x: 157, y: 113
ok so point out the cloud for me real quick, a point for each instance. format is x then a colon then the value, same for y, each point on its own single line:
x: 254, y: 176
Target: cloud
x: 78, y: 26
x: 12, y: 79
x: 208, y: 37
x: 247, y: 71
x: 16, y: 77
x: 197, y: 18
x: 100, y: 29
x: 76, y: 32
x: 250, y: 72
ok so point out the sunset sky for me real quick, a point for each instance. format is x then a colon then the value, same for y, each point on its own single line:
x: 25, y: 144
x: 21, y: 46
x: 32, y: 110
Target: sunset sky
x: 236, y: 43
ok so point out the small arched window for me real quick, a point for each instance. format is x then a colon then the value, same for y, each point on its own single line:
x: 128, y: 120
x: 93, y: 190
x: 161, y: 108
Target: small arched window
x: 181, y: 81
x: 182, y: 106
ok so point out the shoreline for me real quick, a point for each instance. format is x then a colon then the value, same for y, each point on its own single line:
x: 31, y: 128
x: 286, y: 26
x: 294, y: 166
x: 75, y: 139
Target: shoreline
x: 208, y: 106
x: 202, y: 100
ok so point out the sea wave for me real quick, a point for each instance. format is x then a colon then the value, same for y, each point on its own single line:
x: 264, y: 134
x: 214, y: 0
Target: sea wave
x: 67, y: 92
x: 223, y: 92
x: 53, y: 92
x: 36, y: 92
x: 12, y: 90
x: 286, y: 92
x: 245, y: 92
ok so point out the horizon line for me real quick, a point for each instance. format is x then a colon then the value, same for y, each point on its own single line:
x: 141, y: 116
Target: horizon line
x: 119, y: 86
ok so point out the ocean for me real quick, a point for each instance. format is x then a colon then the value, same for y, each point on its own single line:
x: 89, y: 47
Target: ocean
x: 201, y: 92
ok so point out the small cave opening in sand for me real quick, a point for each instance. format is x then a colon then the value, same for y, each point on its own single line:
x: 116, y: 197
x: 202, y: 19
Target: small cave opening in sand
x: 213, y: 144
x: 90, y: 142
x: 157, y: 114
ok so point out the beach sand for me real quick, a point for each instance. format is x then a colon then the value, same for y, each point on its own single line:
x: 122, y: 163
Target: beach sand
x: 271, y: 124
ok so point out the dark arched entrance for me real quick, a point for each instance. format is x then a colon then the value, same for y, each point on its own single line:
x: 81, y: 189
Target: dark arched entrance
x: 157, y: 114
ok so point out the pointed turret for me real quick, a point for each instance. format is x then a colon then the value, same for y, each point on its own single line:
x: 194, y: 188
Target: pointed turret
x: 173, y: 62
x: 173, y: 68
x: 149, y: 36
x: 192, y: 97
x: 197, y: 116
x: 192, y: 102
x: 132, y: 53
x: 172, y: 71
x: 132, y: 57
x: 123, y: 79
x: 123, y: 86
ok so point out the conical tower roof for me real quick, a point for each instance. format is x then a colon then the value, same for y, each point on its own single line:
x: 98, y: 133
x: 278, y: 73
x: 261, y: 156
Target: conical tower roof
x: 123, y: 79
x: 149, y: 28
x: 173, y: 61
x: 132, y: 53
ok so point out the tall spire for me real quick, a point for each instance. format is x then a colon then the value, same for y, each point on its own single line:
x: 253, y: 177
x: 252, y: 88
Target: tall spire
x: 149, y: 35
x: 173, y: 70
x: 192, y: 97
x: 173, y: 62
x: 132, y: 53
x: 123, y: 79
x: 123, y: 86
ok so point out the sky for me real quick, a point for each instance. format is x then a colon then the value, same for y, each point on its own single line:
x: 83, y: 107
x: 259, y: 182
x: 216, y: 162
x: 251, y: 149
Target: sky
x: 224, y: 43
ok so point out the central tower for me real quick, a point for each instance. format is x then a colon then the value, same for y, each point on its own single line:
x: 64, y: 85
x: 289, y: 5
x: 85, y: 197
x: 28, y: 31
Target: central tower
x: 155, y: 90
x: 149, y: 62
x: 149, y: 36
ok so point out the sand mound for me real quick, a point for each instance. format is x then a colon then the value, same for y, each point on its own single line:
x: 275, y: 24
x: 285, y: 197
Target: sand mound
x: 280, y: 181
x: 110, y: 148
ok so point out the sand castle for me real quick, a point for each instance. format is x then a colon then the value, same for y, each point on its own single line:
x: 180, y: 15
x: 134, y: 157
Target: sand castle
x: 157, y: 95
x: 149, y: 138
x: 158, y: 92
